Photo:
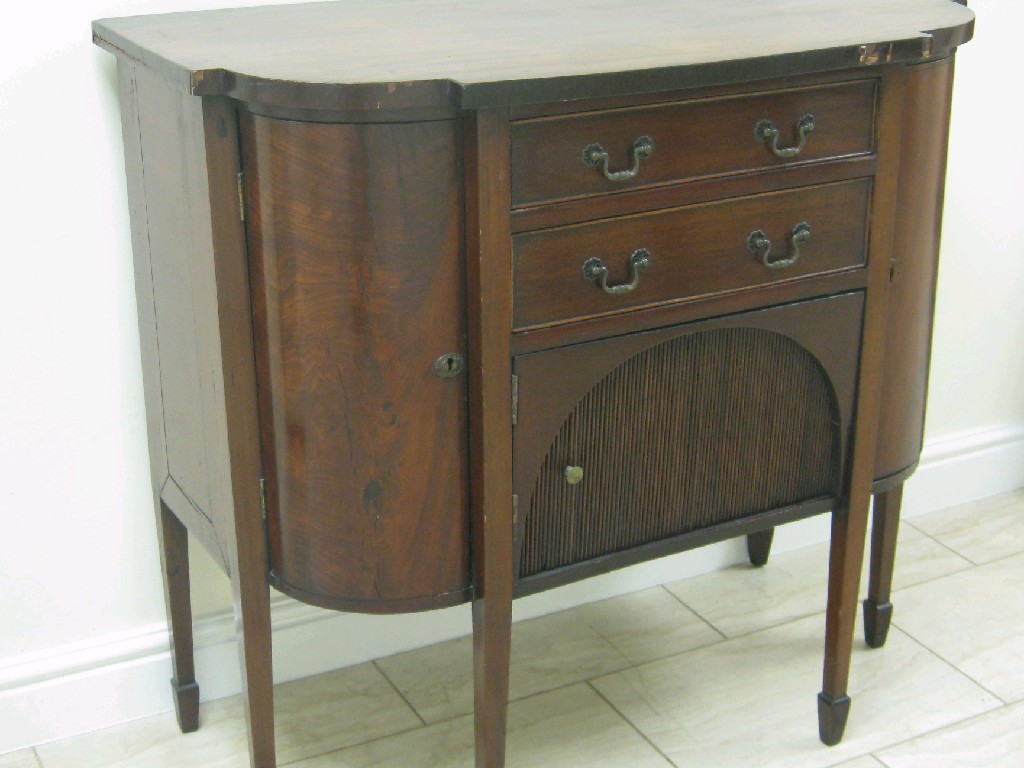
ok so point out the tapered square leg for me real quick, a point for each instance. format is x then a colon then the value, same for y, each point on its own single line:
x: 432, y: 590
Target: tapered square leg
x: 759, y: 546
x: 849, y: 527
x: 252, y: 622
x: 832, y: 717
x: 884, y: 531
x: 174, y: 561
x: 489, y: 315
x: 492, y: 633
x: 186, y: 704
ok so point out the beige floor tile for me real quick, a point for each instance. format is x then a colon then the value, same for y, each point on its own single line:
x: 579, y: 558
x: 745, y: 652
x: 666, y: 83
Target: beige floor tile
x: 974, y: 620
x: 750, y: 702
x: 644, y: 626
x: 23, y: 758
x: 337, y: 709
x: 568, y: 728
x: 312, y: 716
x: 992, y: 740
x: 983, y: 530
x: 863, y: 762
x: 793, y: 585
x: 552, y: 651
x: 156, y: 742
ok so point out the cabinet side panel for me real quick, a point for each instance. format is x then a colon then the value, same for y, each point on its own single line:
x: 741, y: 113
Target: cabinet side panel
x: 355, y: 236
x: 144, y: 295
x: 914, y: 267
x: 180, y: 246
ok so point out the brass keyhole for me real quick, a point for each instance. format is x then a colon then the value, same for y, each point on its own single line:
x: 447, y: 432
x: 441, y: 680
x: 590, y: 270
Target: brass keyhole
x: 449, y: 365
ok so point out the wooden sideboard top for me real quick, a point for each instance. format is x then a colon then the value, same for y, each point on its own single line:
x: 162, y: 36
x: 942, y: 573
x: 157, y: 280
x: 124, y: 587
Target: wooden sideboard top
x: 452, y: 54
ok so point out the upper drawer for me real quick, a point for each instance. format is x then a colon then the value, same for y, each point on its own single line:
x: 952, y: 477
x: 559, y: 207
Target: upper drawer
x: 692, y: 251
x: 561, y: 157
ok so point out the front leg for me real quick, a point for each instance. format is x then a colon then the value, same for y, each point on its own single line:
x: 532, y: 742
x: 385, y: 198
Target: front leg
x: 489, y: 275
x: 849, y: 526
x: 492, y: 641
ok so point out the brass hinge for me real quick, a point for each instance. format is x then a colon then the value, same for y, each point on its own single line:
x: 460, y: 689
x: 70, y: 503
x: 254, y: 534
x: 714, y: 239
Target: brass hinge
x: 263, y: 498
x: 515, y: 399
x: 241, y: 196
x: 515, y: 510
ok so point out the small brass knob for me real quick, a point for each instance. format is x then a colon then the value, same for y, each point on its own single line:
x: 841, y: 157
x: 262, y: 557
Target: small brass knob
x: 573, y: 474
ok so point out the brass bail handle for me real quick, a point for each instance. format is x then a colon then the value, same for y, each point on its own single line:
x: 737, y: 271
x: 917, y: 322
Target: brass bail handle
x: 596, y: 156
x: 765, y: 131
x: 759, y: 244
x: 595, y: 270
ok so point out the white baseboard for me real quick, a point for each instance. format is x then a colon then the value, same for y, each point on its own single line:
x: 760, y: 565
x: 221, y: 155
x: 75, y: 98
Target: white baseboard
x: 59, y: 692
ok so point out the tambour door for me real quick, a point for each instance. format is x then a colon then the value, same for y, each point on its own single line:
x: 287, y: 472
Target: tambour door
x: 630, y: 446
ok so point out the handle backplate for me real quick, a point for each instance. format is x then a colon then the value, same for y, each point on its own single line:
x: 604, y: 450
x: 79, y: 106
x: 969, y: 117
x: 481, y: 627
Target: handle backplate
x: 759, y: 244
x: 596, y: 156
x: 766, y: 132
x: 595, y: 271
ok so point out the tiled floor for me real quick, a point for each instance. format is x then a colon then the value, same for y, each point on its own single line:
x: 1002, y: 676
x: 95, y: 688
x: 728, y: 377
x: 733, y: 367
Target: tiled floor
x: 712, y: 672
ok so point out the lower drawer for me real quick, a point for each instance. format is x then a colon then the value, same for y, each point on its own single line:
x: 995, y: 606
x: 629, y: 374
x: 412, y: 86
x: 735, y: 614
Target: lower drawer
x: 579, y: 271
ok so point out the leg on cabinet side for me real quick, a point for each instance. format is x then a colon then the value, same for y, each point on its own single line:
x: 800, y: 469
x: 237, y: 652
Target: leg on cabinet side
x: 884, y: 529
x: 174, y: 561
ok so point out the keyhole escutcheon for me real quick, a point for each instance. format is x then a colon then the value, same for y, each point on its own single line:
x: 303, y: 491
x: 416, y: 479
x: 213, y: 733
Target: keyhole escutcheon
x: 449, y: 365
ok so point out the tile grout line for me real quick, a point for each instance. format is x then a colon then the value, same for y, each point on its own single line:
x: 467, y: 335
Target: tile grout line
x: 849, y: 760
x: 942, y: 544
x: 954, y: 724
x: 954, y: 667
x: 400, y: 694
x: 630, y: 723
x: 694, y: 612
x: 947, y: 662
x: 448, y: 720
x: 1001, y: 559
x: 346, y: 747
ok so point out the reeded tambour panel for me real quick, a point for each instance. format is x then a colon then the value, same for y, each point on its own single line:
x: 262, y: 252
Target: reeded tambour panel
x: 698, y: 430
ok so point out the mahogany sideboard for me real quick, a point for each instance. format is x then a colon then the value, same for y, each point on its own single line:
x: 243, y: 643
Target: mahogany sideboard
x: 460, y: 301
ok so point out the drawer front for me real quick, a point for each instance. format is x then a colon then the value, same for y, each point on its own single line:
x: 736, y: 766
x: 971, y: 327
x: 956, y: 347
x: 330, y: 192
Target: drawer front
x: 692, y: 251
x: 551, y: 161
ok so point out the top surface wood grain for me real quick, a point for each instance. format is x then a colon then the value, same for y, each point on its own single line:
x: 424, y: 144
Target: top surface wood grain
x: 466, y: 46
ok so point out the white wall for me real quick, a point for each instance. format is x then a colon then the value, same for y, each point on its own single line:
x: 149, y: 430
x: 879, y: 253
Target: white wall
x: 82, y: 641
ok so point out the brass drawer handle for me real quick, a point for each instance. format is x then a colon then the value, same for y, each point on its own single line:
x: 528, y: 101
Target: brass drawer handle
x: 765, y: 131
x: 573, y: 475
x: 597, y: 156
x: 595, y: 270
x: 759, y: 244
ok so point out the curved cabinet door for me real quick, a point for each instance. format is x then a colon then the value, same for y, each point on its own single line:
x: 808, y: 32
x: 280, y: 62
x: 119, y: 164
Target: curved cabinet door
x: 914, y: 270
x: 627, y: 442
x: 355, y: 240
